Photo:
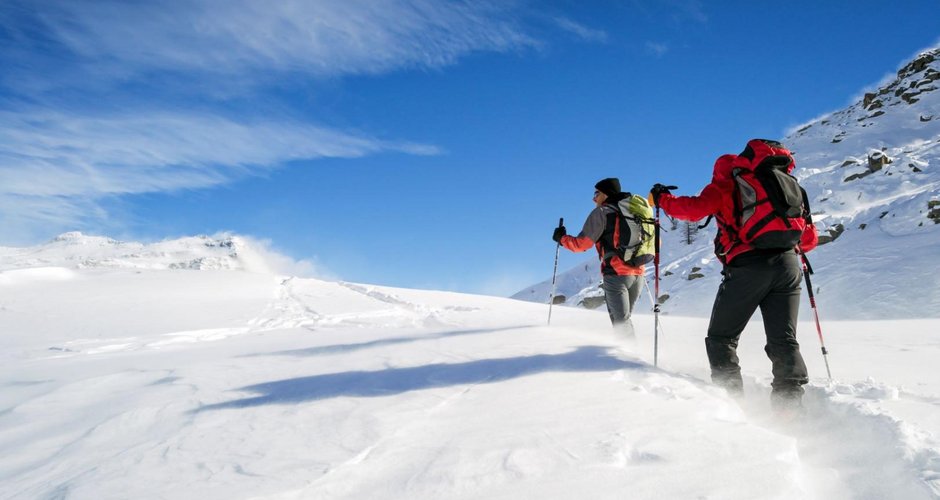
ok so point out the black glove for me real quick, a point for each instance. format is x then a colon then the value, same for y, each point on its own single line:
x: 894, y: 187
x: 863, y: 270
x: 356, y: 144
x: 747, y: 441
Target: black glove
x: 659, y: 189
x: 559, y: 232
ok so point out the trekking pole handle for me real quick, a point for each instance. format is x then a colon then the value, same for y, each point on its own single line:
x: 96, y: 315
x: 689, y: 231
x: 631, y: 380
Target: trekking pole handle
x: 561, y: 221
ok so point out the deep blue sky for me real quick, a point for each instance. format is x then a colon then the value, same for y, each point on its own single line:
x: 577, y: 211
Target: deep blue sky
x: 428, y: 144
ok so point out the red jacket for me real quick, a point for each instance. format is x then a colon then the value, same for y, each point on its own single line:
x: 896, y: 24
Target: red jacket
x: 716, y: 199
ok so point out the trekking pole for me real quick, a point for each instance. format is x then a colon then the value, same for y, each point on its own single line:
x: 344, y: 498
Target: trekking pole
x: 656, y: 292
x: 807, y: 270
x: 656, y: 309
x: 551, y: 298
x: 649, y: 292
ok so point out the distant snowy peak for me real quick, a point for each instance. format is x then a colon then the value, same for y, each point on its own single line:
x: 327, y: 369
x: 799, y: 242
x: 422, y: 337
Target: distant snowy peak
x: 80, y: 251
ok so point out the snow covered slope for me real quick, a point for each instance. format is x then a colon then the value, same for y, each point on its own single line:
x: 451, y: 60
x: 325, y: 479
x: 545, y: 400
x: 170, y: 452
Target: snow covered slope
x: 80, y: 251
x: 872, y: 172
x: 141, y: 379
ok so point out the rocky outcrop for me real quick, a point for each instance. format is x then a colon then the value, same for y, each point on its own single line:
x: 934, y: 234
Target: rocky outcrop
x: 831, y: 234
x: 877, y: 160
x: 592, y: 302
x: 915, y: 78
x: 933, y: 207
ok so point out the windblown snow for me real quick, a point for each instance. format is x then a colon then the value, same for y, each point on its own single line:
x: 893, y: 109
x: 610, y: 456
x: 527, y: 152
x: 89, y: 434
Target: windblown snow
x: 193, y: 369
x: 129, y: 372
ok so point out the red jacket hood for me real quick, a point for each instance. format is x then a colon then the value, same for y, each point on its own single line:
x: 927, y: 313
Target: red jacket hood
x: 723, y: 166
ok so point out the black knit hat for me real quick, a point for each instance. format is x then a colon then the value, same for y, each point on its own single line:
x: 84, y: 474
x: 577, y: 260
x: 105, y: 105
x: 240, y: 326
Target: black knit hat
x: 609, y: 186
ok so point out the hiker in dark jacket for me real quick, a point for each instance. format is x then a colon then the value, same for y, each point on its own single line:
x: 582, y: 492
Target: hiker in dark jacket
x: 765, y: 278
x: 622, y: 282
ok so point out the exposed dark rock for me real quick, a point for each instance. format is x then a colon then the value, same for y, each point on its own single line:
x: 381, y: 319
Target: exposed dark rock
x: 918, y: 64
x: 833, y: 233
x: 857, y: 176
x: 877, y: 160
x: 592, y: 302
x: 934, y: 211
x: 695, y: 276
x: 868, y: 99
x: 926, y: 118
x: 932, y: 75
x: 882, y: 216
x: 914, y: 168
x: 862, y: 226
x: 663, y: 298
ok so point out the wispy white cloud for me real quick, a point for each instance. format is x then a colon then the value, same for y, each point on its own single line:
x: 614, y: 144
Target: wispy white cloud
x: 57, y: 165
x: 581, y: 31
x: 320, y: 37
x: 54, y: 167
x: 657, y: 49
x: 685, y: 10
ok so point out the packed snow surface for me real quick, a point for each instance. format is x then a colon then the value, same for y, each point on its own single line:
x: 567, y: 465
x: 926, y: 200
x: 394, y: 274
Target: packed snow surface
x: 134, y: 378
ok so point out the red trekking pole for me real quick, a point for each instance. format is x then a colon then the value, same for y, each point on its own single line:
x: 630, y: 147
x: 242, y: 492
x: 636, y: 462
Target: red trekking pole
x: 807, y: 270
x: 656, y: 244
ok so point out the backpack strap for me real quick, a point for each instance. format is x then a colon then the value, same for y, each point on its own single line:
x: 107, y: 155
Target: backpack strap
x: 608, y: 239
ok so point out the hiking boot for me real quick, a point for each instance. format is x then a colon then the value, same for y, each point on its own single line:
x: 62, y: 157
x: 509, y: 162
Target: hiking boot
x: 787, y: 405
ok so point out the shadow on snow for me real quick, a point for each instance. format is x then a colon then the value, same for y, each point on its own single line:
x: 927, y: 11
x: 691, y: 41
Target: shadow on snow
x: 393, y: 381
x: 344, y: 348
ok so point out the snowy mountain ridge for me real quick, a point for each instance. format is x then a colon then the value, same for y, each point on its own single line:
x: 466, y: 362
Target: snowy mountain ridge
x: 75, y: 250
x: 872, y: 172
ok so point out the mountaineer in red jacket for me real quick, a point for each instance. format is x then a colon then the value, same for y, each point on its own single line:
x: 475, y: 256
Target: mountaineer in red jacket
x: 765, y: 278
x: 622, y: 282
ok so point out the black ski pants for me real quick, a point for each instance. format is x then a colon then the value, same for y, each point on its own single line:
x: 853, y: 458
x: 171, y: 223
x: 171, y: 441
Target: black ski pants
x: 772, y: 283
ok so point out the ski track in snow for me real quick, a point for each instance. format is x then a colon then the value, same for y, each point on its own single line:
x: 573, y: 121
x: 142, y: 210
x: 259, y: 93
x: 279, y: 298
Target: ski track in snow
x: 288, y: 309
